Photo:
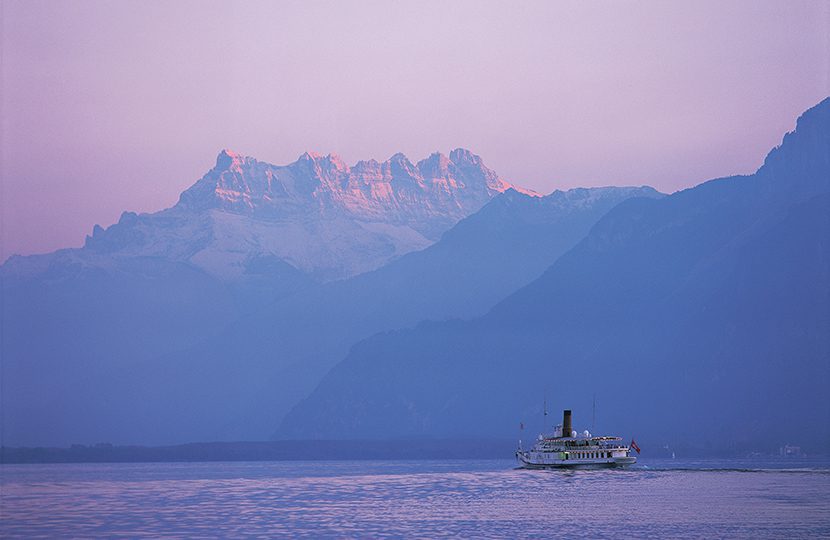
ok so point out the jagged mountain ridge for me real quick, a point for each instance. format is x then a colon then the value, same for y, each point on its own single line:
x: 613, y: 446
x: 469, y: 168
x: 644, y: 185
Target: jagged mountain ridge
x: 316, y: 216
x: 395, y: 191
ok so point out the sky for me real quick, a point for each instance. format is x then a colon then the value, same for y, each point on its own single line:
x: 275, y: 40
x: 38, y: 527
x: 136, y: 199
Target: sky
x: 110, y: 106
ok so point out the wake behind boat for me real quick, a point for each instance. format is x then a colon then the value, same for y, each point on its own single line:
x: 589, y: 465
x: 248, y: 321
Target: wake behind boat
x: 567, y: 449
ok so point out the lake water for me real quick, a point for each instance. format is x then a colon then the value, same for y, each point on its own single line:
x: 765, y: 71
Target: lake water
x: 658, y: 498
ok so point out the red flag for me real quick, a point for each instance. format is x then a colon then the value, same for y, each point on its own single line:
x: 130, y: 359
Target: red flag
x: 634, y: 446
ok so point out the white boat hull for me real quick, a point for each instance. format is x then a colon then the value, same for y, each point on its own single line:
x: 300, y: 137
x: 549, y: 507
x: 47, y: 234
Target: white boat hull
x: 526, y: 463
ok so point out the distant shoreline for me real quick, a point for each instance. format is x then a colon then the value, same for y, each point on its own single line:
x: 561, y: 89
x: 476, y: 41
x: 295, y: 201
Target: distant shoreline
x: 310, y: 450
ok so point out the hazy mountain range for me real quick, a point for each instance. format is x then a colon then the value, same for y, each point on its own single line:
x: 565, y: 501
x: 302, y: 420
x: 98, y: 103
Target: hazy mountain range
x: 261, y: 365
x: 701, y: 318
x: 268, y: 289
x: 209, y: 320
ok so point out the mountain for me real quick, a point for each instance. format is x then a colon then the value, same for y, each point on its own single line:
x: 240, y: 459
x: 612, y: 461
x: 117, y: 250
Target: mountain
x: 316, y: 216
x: 232, y: 384
x: 245, y: 234
x: 701, y: 319
x: 265, y: 362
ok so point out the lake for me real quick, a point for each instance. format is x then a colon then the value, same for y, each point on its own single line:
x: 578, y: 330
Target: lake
x: 656, y: 498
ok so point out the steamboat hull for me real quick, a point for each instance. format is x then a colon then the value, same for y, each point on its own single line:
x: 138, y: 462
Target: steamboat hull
x: 612, y: 463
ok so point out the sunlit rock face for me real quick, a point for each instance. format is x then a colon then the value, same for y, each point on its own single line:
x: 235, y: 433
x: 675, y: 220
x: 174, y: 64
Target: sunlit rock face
x: 316, y: 216
x: 324, y: 217
x: 425, y: 196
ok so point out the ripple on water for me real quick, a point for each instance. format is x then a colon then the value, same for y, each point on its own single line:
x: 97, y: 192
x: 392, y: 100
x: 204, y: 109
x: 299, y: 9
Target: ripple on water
x: 428, y: 499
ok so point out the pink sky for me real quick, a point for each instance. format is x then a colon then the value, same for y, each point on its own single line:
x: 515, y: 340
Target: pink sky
x: 111, y: 106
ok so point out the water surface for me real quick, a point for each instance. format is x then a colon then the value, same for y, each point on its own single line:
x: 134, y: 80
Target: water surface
x: 657, y: 498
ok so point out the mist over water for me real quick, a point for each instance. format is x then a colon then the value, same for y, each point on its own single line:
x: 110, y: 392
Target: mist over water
x: 657, y: 498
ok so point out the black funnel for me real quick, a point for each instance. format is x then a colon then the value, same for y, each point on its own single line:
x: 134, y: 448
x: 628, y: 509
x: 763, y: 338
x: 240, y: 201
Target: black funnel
x: 566, y: 424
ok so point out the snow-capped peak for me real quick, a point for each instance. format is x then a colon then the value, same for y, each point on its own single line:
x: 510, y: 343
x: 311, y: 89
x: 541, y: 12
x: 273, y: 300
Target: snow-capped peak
x: 397, y: 191
x: 228, y: 159
x: 317, y: 214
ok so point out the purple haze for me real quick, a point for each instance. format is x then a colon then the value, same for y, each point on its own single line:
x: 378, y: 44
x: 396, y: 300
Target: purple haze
x: 111, y: 106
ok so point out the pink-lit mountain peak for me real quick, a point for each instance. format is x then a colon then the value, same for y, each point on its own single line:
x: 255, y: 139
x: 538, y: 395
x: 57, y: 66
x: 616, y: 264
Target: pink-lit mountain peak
x: 329, y: 160
x: 454, y: 185
x: 317, y: 214
x: 439, y: 166
x: 437, y: 162
x: 233, y: 160
x: 320, y: 213
x: 228, y: 159
x: 462, y: 156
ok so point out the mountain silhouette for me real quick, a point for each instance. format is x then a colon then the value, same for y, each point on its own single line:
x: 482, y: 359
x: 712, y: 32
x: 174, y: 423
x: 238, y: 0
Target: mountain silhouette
x: 698, y: 319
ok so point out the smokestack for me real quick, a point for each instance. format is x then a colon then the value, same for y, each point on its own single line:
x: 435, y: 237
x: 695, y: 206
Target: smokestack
x: 566, y: 424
